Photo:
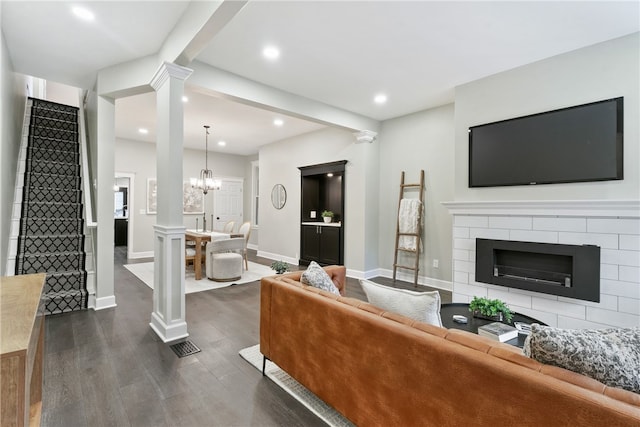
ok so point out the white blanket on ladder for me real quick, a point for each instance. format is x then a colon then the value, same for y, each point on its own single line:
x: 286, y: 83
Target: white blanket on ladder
x: 408, y: 222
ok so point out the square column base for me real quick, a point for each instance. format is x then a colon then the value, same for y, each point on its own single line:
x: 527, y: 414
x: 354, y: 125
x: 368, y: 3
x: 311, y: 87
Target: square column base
x: 167, y: 333
x: 168, y: 318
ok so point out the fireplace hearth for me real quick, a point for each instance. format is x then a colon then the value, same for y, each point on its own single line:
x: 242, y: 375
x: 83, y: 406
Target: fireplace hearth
x: 571, y: 271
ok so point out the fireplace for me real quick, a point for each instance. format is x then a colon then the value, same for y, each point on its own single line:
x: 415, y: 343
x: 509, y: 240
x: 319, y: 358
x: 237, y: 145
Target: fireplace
x: 571, y: 271
x: 611, y: 225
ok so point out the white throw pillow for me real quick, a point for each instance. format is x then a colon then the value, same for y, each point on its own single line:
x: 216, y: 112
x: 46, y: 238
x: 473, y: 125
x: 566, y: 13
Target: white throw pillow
x: 315, y: 276
x: 422, y: 306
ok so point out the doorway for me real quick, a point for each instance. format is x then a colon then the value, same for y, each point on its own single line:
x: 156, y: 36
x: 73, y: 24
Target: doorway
x: 228, y: 203
x: 123, y: 210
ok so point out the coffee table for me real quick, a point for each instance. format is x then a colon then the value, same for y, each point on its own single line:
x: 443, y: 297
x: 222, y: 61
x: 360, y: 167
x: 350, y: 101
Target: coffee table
x: 448, y: 310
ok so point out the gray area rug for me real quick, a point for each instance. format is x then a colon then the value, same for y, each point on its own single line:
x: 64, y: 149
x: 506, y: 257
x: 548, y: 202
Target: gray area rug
x: 294, y: 388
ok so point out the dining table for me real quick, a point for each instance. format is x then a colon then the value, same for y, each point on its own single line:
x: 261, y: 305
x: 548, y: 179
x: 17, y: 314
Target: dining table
x: 199, y: 238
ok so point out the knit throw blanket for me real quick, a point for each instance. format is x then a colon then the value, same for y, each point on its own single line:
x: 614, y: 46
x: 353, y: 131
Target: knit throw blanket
x: 408, y: 222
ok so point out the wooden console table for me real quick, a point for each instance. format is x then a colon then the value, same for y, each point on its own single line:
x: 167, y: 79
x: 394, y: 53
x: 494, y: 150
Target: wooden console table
x: 21, y: 349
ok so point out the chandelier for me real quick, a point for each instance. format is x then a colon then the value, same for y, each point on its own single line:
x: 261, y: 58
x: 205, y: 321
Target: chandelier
x: 205, y: 182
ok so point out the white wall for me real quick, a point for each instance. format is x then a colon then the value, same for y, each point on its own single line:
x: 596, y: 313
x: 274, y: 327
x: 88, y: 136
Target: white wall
x: 279, y: 162
x: 602, y: 71
x: 423, y: 140
x: 13, y: 92
x: 139, y: 158
x: 62, y: 94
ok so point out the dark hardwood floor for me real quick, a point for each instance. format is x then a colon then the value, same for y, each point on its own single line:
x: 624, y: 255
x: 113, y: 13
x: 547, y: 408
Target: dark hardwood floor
x: 108, y: 368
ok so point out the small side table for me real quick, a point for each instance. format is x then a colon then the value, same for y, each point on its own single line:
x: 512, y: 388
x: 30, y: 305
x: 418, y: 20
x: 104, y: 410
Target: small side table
x: 448, y: 310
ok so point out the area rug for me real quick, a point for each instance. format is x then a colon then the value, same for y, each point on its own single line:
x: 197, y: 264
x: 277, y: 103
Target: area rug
x: 294, y: 388
x: 144, y: 272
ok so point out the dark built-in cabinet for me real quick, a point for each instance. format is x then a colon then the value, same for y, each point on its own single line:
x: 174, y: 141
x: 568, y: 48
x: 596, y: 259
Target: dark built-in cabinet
x: 121, y: 231
x: 321, y: 244
x: 322, y: 189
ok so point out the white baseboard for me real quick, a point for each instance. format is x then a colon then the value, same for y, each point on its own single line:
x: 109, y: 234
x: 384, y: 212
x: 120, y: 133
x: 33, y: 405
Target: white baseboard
x: 252, y: 246
x: 138, y: 255
x: 422, y: 280
x: 102, y: 303
x: 277, y: 257
x: 359, y: 274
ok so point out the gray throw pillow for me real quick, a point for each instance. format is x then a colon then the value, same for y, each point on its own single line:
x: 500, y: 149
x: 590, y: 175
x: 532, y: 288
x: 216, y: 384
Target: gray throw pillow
x: 611, y: 356
x: 422, y: 306
x: 315, y: 276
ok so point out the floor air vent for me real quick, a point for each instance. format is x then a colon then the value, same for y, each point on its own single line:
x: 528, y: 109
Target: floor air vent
x: 185, y: 348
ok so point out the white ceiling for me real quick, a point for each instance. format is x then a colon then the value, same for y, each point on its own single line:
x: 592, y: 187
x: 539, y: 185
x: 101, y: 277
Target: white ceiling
x: 339, y: 53
x: 242, y: 127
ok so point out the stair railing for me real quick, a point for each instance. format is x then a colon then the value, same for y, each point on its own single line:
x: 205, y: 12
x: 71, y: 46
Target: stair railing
x: 88, y: 195
x: 87, y: 188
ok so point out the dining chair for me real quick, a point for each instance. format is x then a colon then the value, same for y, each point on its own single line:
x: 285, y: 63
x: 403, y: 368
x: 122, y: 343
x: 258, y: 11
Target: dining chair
x: 190, y: 254
x: 228, y: 227
x: 224, y: 259
x: 245, y: 230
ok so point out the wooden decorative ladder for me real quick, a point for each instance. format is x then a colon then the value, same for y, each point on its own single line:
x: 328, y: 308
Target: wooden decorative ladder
x: 415, y: 253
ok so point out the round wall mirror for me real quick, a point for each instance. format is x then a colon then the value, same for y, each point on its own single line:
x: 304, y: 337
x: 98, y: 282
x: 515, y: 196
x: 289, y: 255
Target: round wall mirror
x: 278, y: 196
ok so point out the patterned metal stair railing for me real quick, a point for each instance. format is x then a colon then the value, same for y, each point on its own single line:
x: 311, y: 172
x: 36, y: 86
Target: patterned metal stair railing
x: 51, y: 237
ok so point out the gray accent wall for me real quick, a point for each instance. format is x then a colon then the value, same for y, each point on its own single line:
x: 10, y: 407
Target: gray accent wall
x: 423, y: 140
x: 602, y: 71
x: 436, y: 140
x: 279, y: 162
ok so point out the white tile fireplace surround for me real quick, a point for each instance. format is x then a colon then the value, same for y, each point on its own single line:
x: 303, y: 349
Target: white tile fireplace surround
x: 613, y: 225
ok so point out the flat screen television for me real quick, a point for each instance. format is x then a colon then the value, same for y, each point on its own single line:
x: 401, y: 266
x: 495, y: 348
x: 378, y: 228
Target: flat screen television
x: 575, y: 144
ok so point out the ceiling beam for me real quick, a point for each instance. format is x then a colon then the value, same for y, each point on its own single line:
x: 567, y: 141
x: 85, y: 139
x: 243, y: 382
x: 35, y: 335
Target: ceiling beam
x: 200, y: 22
x: 231, y: 86
x: 127, y: 79
x: 197, y: 26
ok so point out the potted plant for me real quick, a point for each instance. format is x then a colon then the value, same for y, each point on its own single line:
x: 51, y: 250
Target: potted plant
x: 327, y: 216
x: 280, y: 266
x: 491, y: 309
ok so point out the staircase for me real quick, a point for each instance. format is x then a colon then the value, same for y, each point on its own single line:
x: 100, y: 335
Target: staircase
x: 51, y: 237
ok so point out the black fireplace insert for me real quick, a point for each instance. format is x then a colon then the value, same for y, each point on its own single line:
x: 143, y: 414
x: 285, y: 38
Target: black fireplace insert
x: 571, y: 271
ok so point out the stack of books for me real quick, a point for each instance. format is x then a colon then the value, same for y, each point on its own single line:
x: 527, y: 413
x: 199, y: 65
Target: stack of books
x: 498, y: 331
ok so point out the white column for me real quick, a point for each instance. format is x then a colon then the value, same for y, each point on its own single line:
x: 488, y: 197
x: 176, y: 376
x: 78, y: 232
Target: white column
x: 105, y: 297
x: 168, y: 317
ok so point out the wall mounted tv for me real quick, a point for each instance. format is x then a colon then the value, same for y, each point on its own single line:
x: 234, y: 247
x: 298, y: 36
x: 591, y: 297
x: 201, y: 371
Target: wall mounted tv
x: 575, y: 144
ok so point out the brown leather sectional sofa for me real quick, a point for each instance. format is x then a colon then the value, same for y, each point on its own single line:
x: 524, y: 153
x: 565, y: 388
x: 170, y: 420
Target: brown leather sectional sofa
x: 382, y: 369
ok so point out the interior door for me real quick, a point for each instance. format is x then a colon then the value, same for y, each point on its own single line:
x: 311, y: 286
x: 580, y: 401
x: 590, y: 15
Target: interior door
x: 227, y: 203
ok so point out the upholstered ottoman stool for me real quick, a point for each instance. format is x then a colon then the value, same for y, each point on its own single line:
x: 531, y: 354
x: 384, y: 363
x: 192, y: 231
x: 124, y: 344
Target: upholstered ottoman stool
x: 224, y: 259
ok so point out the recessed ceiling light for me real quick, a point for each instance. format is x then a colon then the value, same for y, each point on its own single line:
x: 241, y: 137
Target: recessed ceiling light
x: 271, y: 52
x: 222, y: 143
x: 185, y: 99
x: 82, y: 13
x: 381, y: 98
x: 278, y: 122
x: 143, y: 131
